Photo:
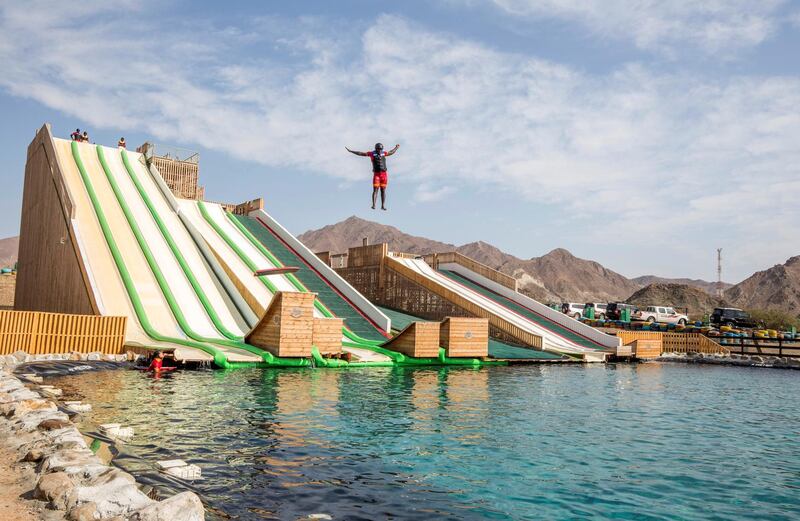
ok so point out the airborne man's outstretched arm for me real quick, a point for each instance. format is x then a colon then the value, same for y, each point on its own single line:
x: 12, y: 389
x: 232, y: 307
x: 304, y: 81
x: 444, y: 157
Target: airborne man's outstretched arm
x: 392, y: 151
x: 356, y: 152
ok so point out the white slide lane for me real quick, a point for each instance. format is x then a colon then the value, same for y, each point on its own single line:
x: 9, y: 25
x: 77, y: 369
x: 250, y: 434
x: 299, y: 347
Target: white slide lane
x: 216, y: 294
x: 184, y: 294
x: 550, y: 342
x: 99, y: 261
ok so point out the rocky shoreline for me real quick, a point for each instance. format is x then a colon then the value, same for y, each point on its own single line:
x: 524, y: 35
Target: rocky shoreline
x: 63, y: 472
x: 774, y: 362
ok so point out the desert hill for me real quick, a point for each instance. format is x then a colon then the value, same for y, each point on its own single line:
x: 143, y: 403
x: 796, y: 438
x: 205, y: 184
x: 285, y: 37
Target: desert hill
x: 775, y: 288
x: 679, y: 296
x: 8, y: 251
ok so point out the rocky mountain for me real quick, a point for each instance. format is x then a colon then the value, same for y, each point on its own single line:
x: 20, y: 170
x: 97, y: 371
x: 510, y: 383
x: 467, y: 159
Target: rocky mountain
x: 336, y: 238
x: 556, y: 276
x: 775, y: 288
x: 679, y: 296
x: 708, y: 287
x: 8, y: 251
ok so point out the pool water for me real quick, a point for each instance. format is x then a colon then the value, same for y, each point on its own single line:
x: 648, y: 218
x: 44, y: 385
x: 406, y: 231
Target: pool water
x: 647, y: 441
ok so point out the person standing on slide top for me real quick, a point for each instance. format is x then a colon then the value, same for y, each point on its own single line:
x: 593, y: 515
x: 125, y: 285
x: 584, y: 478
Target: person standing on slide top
x: 380, y: 176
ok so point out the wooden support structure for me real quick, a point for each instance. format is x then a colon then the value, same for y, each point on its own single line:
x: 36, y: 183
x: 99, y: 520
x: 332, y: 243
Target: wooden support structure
x: 327, y: 335
x: 673, y: 342
x: 52, y: 277
x: 286, y: 328
x: 453, y: 257
x: 646, y: 348
x: 37, y: 333
x: 464, y: 337
x: 418, y: 340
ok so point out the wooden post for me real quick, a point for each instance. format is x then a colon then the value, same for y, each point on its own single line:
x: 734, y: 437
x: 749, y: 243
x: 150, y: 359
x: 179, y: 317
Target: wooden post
x: 418, y: 340
x: 465, y: 337
x: 327, y: 336
x: 287, y: 327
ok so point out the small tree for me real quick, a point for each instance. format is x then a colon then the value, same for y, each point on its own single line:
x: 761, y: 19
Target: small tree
x: 775, y: 319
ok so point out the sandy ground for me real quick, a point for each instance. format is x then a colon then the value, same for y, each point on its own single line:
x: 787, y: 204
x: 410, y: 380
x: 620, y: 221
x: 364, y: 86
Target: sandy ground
x: 16, y: 483
x: 7, y: 284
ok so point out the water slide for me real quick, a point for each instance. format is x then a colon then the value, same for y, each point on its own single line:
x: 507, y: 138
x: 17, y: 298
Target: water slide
x: 131, y: 260
x: 340, y: 299
x: 555, y: 340
x: 183, y: 271
x: 548, y: 318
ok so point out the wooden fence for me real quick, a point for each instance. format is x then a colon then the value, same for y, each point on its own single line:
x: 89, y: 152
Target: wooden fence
x: 38, y: 333
x: 435, y: 259
x: 676, y: 342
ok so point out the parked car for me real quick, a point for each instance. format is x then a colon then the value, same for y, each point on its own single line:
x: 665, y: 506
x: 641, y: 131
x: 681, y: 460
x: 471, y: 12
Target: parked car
x: 732, y: 317
x: 614, y: 310
x: 661, y: 314
x: 599, y: 309
x: 572, y: 309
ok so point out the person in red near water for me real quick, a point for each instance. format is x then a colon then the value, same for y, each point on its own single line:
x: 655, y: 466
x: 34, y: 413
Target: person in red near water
x: 157, y: 363
x: 380, y: 177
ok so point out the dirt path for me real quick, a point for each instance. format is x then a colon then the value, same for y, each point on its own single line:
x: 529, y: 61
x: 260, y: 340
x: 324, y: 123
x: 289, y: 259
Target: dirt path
x: 14, y: 483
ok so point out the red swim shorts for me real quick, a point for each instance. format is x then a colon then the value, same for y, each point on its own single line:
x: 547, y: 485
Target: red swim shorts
x: 379, y: 179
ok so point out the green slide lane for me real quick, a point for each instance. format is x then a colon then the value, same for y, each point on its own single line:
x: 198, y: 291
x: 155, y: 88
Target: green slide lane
x: 251, y: 265
x: 219, y: 357
x: 530, y: 315
x: 201, y: 295
x: 309, y: 280
x: 297, y: 284
x: 167, y: 291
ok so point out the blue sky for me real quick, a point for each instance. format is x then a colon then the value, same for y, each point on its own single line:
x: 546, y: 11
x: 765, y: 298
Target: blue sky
x: 639, y: 134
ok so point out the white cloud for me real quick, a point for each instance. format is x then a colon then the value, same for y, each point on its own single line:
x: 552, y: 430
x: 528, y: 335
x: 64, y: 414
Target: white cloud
x: 667, y: 157
x: 715, y: 26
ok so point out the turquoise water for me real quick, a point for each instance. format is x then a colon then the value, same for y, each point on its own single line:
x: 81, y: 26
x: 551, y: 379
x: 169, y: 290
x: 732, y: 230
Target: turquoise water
x: 649, y: 441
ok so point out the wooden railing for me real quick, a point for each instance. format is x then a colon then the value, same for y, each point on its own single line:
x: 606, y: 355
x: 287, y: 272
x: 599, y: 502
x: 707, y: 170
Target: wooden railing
x: 520, y: 334
x: 676, y: 342
x: 761, y: 346
x: 37, y: 333
x: 435, y: 259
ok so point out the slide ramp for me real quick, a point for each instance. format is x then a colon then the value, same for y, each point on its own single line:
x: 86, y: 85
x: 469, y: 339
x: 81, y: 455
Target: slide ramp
x: 122, y: 276
x: 555, y: 322
x: 550, y: 341
x: 313, y: 279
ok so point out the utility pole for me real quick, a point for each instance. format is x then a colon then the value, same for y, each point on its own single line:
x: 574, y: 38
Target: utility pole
x: 719, y: 272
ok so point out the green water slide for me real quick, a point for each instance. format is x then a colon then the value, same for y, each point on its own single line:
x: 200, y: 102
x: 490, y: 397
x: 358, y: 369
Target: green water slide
x: 209, y: 345
x: 544, y: 322
x: 356, y: 342
x: 219, y: 357
x: 306, y: 279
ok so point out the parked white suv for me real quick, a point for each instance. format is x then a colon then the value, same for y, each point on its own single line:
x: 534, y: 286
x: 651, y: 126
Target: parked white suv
x: 661, y: 314
x: 599, y: 309
x: 572, y: 309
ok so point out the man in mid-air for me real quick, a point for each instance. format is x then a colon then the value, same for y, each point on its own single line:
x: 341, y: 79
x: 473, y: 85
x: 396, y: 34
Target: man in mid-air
x: 380, y: 177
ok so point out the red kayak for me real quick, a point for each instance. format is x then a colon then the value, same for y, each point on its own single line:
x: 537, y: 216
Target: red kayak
x: 162, y: 370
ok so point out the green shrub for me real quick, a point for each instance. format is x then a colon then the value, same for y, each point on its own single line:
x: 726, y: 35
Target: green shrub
x: 775, y: 319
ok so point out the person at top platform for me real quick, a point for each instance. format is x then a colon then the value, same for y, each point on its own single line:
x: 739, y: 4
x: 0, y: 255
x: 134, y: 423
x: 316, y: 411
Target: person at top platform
x: 85, y: 137
x: 76, y: 136
x: 121, y: 143
x: 380, y: 176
